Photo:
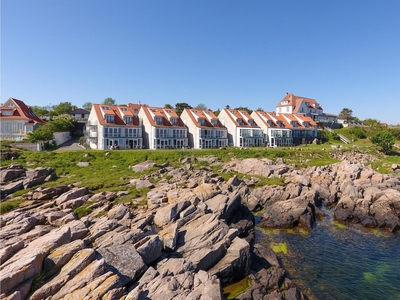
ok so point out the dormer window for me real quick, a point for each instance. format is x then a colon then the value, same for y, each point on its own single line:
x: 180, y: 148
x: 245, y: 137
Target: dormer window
x: 158, y: 120
x: 109, y: 118
x: 284, y: 102
x: 214, y: 122
x: 251, y: 122
x: 202, y: 122
x: 239, y: 121
x: 128, y: 120
x: 174, y: 121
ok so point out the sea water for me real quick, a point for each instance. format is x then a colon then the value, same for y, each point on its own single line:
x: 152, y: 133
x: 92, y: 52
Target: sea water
x: 338, y: 262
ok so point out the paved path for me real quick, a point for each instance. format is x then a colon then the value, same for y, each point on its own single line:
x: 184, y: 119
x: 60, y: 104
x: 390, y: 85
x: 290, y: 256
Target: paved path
x: 72, y: 144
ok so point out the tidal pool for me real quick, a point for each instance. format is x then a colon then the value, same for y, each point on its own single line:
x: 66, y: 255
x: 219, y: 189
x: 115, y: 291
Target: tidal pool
x: 336, y: 262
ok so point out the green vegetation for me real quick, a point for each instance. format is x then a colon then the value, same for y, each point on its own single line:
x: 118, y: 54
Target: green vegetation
x: 279, y: 248
x: 384, y: 140
x: 233, y: 290
x: 10, y: 205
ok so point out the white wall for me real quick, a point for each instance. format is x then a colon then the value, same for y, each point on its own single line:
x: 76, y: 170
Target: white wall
x: 61, y: 137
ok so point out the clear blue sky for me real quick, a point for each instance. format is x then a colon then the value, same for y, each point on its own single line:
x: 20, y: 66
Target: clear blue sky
x: 343, y: 53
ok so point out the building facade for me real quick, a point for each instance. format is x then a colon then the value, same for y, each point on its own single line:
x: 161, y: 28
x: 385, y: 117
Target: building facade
x: 162, y: 128
x: 205, y: 131
x: 286, y: 129
x: 292, y: 104
x: 242, y: 129
x: 113, y: 127
x: 17, y: 120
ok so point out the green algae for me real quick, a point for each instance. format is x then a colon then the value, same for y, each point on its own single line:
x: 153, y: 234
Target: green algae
x: 339, y: 225
x: 233, y: 290
x: 259, y: 212
x: 368, y: 276
x: 279, y: 248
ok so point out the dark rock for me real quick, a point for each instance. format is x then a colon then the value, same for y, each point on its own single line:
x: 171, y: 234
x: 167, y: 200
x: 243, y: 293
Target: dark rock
x: 125, y: 261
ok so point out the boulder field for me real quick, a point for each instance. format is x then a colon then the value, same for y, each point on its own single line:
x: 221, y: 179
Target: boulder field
x: 195, y: 235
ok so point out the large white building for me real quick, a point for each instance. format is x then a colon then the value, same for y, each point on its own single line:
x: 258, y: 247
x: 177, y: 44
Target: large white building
x: 17, y: 120
x: 204, y: 129
x: 285, y: 129
x: 162, y: 128
x: 292, y: 104
x: 242, y: 129
x: 114, y: 127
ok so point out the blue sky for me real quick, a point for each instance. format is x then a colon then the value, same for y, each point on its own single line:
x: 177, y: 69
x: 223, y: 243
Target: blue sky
x: 238, y: 53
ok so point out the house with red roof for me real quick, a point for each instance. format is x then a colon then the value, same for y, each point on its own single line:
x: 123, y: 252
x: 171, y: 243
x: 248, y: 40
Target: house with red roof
x: 205, y: 130
x: 17, y: 120
x: 162, y: 128
x: 292, y: 104
x: 286, y: 129
x: 243, y: 131
x: 114, y: 127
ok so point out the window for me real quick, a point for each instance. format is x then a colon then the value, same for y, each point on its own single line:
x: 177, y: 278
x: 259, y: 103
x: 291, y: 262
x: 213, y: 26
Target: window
x: 174, y: 121
x: 158, y: 120
x: 109, y: 119
x: 128, y: 120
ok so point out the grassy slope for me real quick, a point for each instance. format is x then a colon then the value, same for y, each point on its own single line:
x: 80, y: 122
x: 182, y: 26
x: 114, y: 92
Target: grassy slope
x: 112, y: 173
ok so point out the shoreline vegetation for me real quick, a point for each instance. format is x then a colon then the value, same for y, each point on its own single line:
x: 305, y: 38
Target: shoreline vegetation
x: 179, y: 213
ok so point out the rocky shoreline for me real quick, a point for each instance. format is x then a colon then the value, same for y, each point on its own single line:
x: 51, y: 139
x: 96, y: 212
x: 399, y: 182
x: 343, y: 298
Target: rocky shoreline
x: 194, y: 235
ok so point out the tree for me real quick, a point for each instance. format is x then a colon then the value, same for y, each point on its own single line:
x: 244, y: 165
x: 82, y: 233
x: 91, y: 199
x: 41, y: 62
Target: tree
x: 40, y: 111
x: 62, y: 108
x: 109, y: 101
x: 259, y: 109
x: 168, y: 106
x: 179, y: 107
x: 371, y: 122
x: 244, y: 108
x: 384, y: 140
x: 87, y: 105
x: 347, y: 114
x: 217, y: 112
x: 201, y: 106
x: 43, y: 133
x: 64, y: 122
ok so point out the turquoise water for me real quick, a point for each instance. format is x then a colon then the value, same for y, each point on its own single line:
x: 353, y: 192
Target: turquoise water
x: 336, y: 262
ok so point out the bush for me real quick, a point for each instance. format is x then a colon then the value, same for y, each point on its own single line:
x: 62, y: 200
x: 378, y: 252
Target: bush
x: 358, y: 132
x: 384, y: 140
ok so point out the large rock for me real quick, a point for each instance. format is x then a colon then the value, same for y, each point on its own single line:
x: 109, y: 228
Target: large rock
x: 125, y: 261
x: 235, y: 264
x: 11, y: 174
x: 72, y: 194
x: 28, y: 261
x: 149, y: 248
x: 168, y: 213
x: 78, y: 262
x: 286, y: 214
x: 143, y: 166
x: 60, y: 256
x: 86, y: 276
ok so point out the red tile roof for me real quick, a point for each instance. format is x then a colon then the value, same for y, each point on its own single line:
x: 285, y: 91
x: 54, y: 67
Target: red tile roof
x: 240, y: 115
x: 295, y: 102
x: 207, y: 115
x: 118, y: 111
x: 164, y: 113
x: 21, y: 111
